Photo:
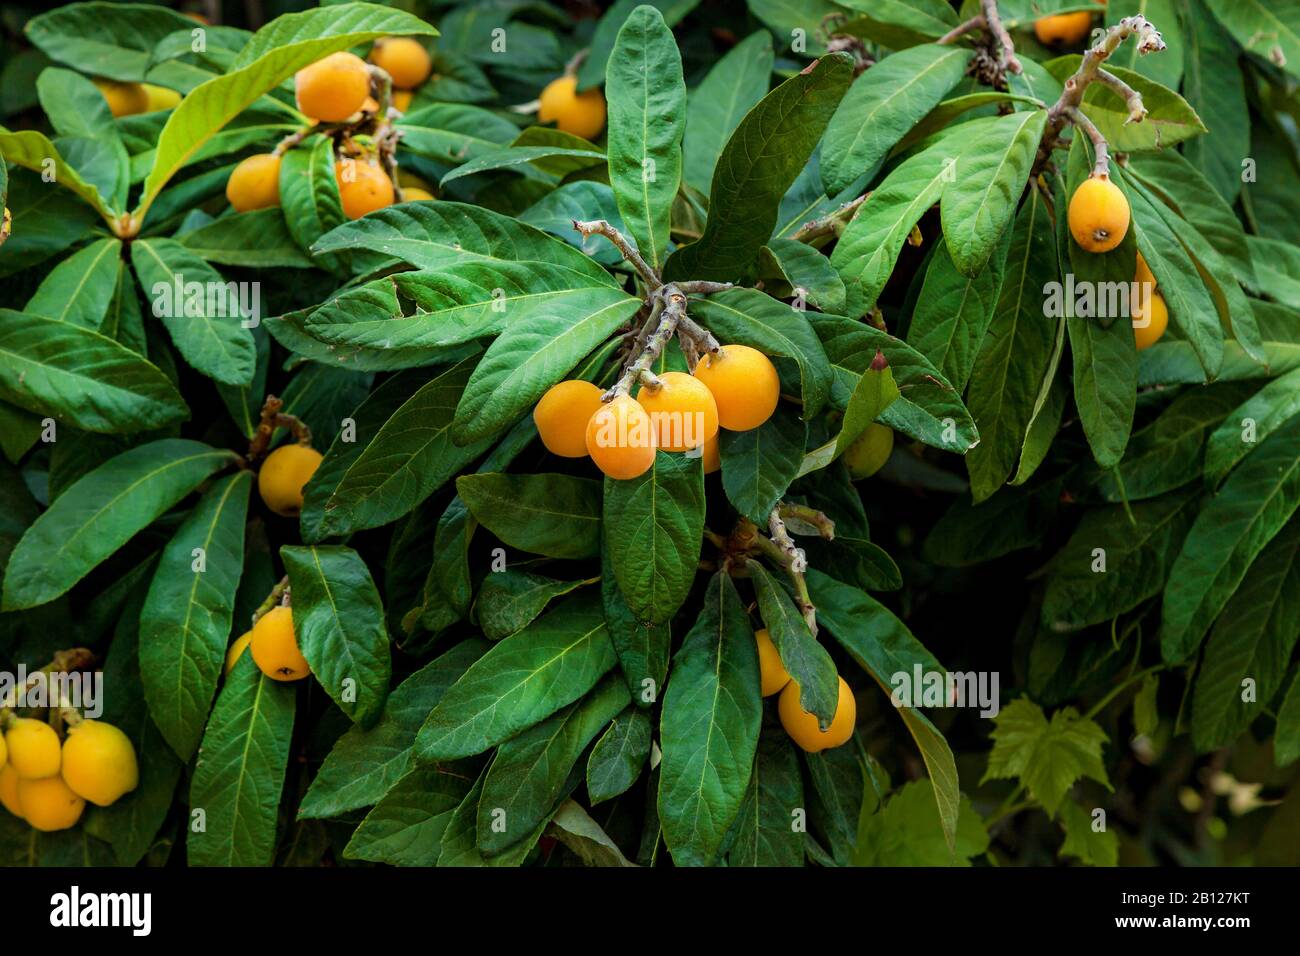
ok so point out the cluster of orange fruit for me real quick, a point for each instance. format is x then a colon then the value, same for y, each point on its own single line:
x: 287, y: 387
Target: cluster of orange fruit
x: 47, y: 782
x: 802, y: 727
x: 736, y: 388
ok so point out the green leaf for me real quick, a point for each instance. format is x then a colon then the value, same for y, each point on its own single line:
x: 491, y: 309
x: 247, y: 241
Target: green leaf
x: 1254, y: 504
x: 647, y: 116
x: 874, y: 392
x: 988, y: 181
x: 1085, y: 587
x: 113, y: 40
x: 592, y: 71
x: 82, y: 378
x: 1250, y: 423
x: 654, y: 526
x: 1286, y: 742
x: 529, y: 771
x: 338, y: 620
x: 365, y: 764
x: 1105, y: 384
x: 806, y: 661
x: 32, y: 150
x: 869, y: 246
x: 761, y: 159
x: 758, y: 465
x: 278, y: 50
x: 554, y: 515
x: 101, y: 512
x: 575, y: 828
x: 907, y: 832
x: 240, y: 770
x: 260, y: 239
x: 521, y: 680
x: 733, y: 86
x: 1268, y: 30
x: 81, y: 288
x: 882, y: 105
x: 620, y: 753
x: 752, y: 318
x: 405, y: 828
x: 185, y: 623
x: 527, y: 160
x: 208, y: 331
x: 642, y: 648
x: 1015, y: 354
x: 528, y: 358
x: 409, y: 458
x: 1048, y: 758
x: 1090, y: 846
x: 765, y: 830
x: 709, y: 728
x: 1251, y: 641
x: 509, y: 600
x: 1169, y: 120
x: 899, y: 24
x: 1219, y: 96
x: 460, y: 836
x: 806, y: 272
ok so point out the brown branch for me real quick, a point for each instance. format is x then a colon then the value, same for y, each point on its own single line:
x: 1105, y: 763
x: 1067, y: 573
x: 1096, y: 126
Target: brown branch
x: 976, y: 22
x: 271, y: 419
x: 670, y: 307
x: 830, y: 224
x: 809, y: 516
x: 602, y: 227
x: 1007, y: 58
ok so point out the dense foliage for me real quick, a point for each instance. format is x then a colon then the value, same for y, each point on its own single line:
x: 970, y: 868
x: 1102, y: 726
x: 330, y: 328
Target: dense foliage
x: 1026, y: 275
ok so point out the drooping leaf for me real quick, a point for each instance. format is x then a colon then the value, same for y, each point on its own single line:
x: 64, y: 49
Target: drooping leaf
x: 405, y: 827
x: 555, y: 515
x: 619, y: 755
x: 766, y: 833
x: 509, y: 600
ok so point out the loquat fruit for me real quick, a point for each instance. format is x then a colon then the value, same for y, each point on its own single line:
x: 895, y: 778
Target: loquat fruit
x: 99, y: 762
x: 9, y: 790
x: 1066, y: 29
x: 160, y: 98
x: 282, y: 476
x: 712, y: 456
x: 1098, y: 214
x: 34, y: 748
x: 774, y: 675
x: 363, y: 187
x: 562, y: 416
x: 237, y: 650
x: 404, y: 59
x: 275, y: 647
x: 255, y: 183
x: 804, y: 728
x: 683, y: 410
x: 1150, y: 319
x: 402, y: 100
x: 124, y: 99
x: 582, y: 114
x: 49, y: 804
x: 332, y: 88
x: 869, y: 451
x: 414, y: 194
x: 744, y: 384
x: 621, y: 439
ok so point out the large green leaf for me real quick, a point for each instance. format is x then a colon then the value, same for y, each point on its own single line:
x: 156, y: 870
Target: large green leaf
x: 521, y: 680
x: 909, y: 832
x: 509, y: 600
x: 366, y: 763
x: 206, y: 327
x: 733, y: 86
x: 1251, y: 641
x: 185, y: 623
x: 278, y: 50
x: 1251, y: 422
x: 31, y: 149
x: 709, y: 728
x: 1254, y: 504
x: 529, y: 771
x: 1218, y: 96
x: 240, y: 770
x: 338, y: 620
x: 101, y: 512
x: 759, y: 464
x: 654, y: 525
x: 642, y: 648
x: 81, y: 377
x: 766, y: 834
x: 405, y: 828
x: 647, y: 116
x: 805, y: 660
x: 592, y: 71
x: 81, y: 288
x: 554, y: 515
x: 761, y: 159
x: 114, y: 40
x: 1270, y: 30
x: 1016, y: 352
x: 619, y: 755
x: 882, y: 105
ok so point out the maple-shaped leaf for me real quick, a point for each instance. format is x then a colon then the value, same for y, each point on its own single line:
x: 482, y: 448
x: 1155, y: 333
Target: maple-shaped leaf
x: 1092, y: 847
x: 1047, y: 757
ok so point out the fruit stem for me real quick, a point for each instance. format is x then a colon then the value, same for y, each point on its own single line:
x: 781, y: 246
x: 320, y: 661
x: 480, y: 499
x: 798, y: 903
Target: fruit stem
x: 1101, y: 165
x: 271, y: 419
x: 810, y: 516
x: 782, y: 549
x: 72, y: 659
x: 830, y: 224
x: 273, y: 600
x: 386, y: 134
x: 602, y: 227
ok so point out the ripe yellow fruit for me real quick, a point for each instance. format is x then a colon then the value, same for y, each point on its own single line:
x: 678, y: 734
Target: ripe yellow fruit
x: 1064, y: 28
x: 9, y: 790
x: 582, y: 114
x: 803, y: 727
x: 334, y: 88
x: 99, y: 762
x: 1147, y: 333
x: 34, y: 748
x: 683, y: 410
x: 363, y: 187
x: 160, y: 98
x: 49, y: 804
x: 621, y: 439
x: 402, y: 99
x: 282, y: 476
x: 275, y: 648
x: 1143, y: 275
x: 4, y: 752
x: 869, y: 451
x: 562, y: 417
x: 712, y: 456
x: 255, y: 183
x: 124, y: 99
x: 774, y: 674
x: 1098, y: 215
x: 415, y: 193
x: 404, y: 59
x: 744, y: 384
x: 237, y: 649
